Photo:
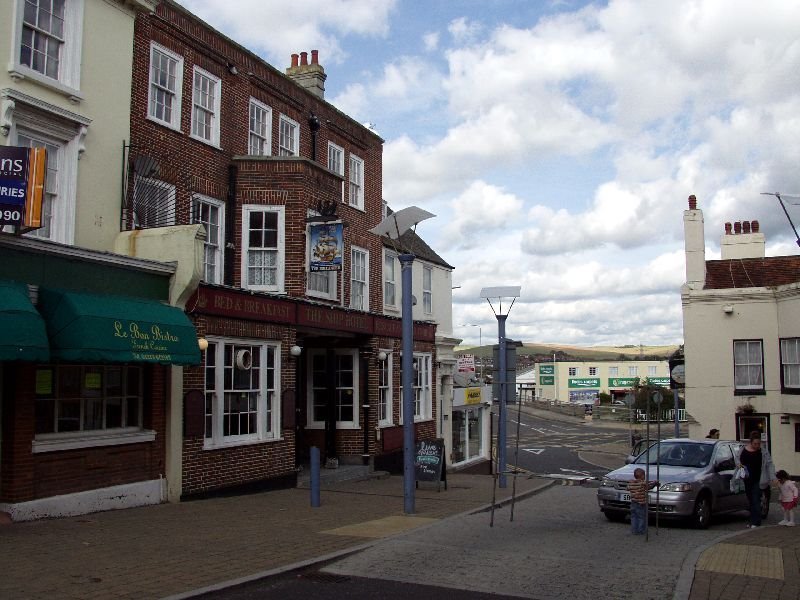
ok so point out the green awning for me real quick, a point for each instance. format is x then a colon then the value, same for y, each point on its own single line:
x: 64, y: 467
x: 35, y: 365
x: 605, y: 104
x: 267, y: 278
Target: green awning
x: 98, y: 328
x: 22, y: 331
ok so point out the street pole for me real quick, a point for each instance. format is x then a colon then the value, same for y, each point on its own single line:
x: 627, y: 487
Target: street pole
x: 406, y: 262
x: 502, y: 427
x: 647, y: 473
x: 677, y: 421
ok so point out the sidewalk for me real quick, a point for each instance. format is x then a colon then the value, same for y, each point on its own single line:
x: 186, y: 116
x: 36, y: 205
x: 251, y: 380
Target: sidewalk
x: 176, y: 549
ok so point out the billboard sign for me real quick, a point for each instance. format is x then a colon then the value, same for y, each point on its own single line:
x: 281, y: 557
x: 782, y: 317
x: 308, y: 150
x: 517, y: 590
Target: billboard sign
x: 547, y: 370
x: 585, y: 382
x: 466, y: 363
x: 547, y: 380
x: 22, y: 176
x: 327, y: 247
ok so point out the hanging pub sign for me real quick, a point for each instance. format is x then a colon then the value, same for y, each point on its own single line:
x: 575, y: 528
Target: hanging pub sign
x: 326, y: 247
x: 22, y: 176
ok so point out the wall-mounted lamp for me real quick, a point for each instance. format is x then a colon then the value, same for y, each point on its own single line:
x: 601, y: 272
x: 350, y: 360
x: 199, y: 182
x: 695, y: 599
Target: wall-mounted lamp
x: 232, y: 69
x: 727, y: 309
x: 295, y: 351
x: 203, y: 344
x: 382, y: 356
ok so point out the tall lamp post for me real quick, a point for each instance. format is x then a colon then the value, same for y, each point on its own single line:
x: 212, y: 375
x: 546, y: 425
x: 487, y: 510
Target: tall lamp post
x: 498, y: 293
x: 393, y: 227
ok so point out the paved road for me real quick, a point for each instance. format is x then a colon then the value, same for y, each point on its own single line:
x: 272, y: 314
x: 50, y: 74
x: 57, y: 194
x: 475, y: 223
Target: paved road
x: 547, y: 446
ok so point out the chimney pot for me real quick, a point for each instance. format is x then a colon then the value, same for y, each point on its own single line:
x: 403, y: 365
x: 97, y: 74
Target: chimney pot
x: 692, y: 202
x: 295, y: 57
x: 737, y: 227
x: 745, y: 226
x: 728, y: 228
x: 304, y: 58
x: 315, y: 57
x: 754, y: 225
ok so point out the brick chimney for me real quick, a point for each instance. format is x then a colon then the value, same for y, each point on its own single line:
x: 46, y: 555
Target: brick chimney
x: 746, y: 241
x: 695, y: 244
x: 309, y: 75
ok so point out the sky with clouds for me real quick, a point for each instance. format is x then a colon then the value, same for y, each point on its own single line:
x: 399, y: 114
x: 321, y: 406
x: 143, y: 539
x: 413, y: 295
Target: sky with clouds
x: 557, y: 141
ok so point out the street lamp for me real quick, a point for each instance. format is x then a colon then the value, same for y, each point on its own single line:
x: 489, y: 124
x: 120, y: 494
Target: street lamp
x: 394, y: 226
x: 480, y: 343
x: 512, y: 292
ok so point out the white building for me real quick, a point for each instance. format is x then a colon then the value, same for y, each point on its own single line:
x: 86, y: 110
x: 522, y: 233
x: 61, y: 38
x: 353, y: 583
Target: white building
x: 741, y: 323
x: 582, y: 382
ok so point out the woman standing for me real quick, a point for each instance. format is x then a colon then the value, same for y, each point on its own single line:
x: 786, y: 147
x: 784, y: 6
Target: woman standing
x: 760, y: 473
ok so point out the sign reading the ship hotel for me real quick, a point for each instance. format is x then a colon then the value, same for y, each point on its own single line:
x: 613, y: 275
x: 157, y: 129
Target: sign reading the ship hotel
x: 22, y: 172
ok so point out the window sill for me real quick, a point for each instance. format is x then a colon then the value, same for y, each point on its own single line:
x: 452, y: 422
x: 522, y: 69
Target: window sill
x: 174, y: 128
x: 213, y: 143
x: 210, y: 446
x: 759, y: 392
x: 90, y: 440
x: 357, y: 207
x: 385, y: 424
x: 339, y: 425
x: 20, y: 72
x: 790, y: 391
x: 320, y: 296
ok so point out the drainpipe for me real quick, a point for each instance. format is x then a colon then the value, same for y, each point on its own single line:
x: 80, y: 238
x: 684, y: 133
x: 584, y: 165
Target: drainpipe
x: 230, y: 218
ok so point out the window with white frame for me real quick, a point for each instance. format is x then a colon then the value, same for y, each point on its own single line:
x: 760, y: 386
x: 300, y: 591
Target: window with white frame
x: 427, y: 290
x: 356, y: 182
x: 289, y: 140
x: 573, y: 371
x: 423, y: 399
x: 260, y: 142
x: 389, y: 286
x: 633, y: 371
x: 344, y: 388
x: 790, y: 362
x: 359, y: 278
x: 206, y: 91
x: 748, y: 365
x: 153, y: 203
x: 211, y: 214
x: 613, y: 371
x: 263, y: 248
x: 336, y: 161
x: 47, y: 43
x: 166, y: 77
x: 89, y: 398
x: 385, y: 404
x: 592, y: 371
x: 652, y: 370
x: 241, y: 391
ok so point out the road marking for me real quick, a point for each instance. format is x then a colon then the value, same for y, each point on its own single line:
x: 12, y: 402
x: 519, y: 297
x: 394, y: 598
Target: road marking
x: 536, y: 451
x: 574, y: 471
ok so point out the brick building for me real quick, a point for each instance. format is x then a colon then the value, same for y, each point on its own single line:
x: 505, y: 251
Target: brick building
x: 291, y: 299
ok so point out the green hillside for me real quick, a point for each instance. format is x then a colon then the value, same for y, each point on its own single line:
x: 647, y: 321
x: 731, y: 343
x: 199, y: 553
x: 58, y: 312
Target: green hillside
x: 565, y: 351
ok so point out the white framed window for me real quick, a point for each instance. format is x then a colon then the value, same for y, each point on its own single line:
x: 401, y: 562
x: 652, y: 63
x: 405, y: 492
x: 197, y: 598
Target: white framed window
x: 359, y: 278
x: 153, y: 203
x: 289, y: 140
x: 263, y: 248
x: 613, y: 371
x: 166, y: 79
x: 652, y: 370
x: 206, y: 92
x: 260, y: 141
x: 423, y: 397
x: 748, y: 365
x: 427, y: 290
x: 356, y: 195
x: 242, y: 384
x: 633, y: 371
x: 389, y: 280
x: 336, y: 162
x: 344, y: 388
x: 573, y: 371
x: 61, y: 134
x: 385, y: 402
x: 210, y: 212
x: 47, y: 41
x: 592, y: 371
x: 790, y: 363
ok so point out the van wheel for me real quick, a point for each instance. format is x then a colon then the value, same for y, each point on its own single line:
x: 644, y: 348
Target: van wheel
x: 614, y: 516
x: 702, y: 512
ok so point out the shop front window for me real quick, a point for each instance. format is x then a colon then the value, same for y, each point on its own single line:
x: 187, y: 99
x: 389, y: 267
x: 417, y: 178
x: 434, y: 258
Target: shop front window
x: 466, y: 436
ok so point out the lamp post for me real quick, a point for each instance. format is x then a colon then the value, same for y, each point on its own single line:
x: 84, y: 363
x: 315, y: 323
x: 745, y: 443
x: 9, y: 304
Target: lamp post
x: 498, y: 293
x: 393, y: 227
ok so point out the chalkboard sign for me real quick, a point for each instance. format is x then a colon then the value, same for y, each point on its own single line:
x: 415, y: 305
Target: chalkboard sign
x: 429, y: 462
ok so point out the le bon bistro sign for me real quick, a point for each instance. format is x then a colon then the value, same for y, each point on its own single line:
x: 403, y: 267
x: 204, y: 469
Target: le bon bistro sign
x: 22, y: 177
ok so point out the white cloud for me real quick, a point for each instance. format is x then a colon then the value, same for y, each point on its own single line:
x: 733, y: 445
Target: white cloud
x: 431, y: 41
x: 479, y: 212
x: 464, y: 30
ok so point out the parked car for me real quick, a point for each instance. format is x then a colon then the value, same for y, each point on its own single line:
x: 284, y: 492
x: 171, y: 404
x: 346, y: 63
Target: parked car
x: 694, y: 477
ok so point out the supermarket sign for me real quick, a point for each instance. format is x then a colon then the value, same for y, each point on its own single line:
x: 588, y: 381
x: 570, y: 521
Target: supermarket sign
x: 585, y: 382
x: 547, y: 370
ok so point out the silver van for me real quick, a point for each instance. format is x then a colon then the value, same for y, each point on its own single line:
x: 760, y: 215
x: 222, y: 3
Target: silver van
x: 695, y: 482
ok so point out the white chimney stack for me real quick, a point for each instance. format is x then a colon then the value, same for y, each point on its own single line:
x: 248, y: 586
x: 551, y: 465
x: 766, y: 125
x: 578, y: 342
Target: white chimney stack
x: 745, y: 241
x: 695, y: 243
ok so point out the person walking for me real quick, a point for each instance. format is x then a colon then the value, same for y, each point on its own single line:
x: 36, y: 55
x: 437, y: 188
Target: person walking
x: 788, y: 490
x: 638, y: 489
x: 760, y: 473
